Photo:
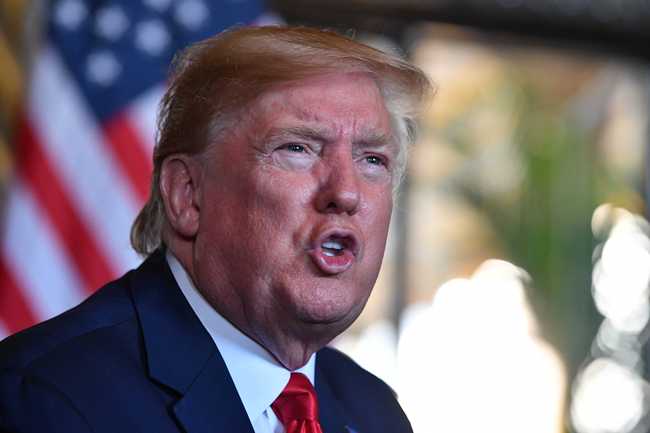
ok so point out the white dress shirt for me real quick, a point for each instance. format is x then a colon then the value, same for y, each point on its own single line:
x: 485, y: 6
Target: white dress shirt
x: 258, y: 377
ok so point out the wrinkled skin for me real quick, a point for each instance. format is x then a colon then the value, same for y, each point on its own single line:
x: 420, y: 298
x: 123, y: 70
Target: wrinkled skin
x: 248, y: 218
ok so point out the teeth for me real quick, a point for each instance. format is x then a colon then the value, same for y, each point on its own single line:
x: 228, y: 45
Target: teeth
x: 333, y: 245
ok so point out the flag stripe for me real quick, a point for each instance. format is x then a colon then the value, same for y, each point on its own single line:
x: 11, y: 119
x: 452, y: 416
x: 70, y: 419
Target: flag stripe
x: 143, y: 113
x: 4, y: 329
x: 86, y: 167
x: 32, y: 254
x: 84, y: 145
x: 131, y: 153
x: 14, y: 309
x: 74, y: 235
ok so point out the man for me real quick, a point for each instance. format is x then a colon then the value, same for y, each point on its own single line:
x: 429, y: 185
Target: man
x: 278, y: 153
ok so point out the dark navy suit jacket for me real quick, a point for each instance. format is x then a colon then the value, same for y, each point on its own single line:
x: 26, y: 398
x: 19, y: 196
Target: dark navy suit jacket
x: 135, y: 358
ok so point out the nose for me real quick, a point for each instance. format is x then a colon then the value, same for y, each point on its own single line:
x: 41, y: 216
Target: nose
x: 339, y: 189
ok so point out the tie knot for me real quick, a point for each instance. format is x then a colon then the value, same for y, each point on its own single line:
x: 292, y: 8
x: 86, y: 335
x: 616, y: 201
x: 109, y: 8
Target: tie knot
x: 297, y: 401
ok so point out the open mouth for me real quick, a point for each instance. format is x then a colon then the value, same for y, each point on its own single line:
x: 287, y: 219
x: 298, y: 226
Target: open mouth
x: 334, y: 246
x: 335, y: 251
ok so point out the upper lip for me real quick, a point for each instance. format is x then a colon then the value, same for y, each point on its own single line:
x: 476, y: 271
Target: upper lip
x: 348, y: 236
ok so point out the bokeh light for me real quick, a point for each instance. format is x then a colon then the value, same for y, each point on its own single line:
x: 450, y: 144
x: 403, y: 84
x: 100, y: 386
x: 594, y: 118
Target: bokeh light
x: 472, y: 359
x: 608, y: 398
x: 610, y: 394
x: 622, y: 273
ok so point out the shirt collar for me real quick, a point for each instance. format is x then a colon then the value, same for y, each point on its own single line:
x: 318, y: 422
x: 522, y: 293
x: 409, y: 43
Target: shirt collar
x: 249, y: 364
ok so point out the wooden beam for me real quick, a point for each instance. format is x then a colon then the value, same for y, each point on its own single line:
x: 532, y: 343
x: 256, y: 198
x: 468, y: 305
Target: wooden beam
x: 610, y: 27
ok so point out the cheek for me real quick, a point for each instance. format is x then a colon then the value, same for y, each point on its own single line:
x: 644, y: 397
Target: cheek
x: 376, y: 223
x: 278, y: 209
x: 283, y: 194
x: 379, y: 212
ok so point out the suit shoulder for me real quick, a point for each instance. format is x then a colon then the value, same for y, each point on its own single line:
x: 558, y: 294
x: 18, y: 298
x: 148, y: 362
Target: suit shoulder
x: 362, y: 393
x: 340, y: 368
x: 109, y: 306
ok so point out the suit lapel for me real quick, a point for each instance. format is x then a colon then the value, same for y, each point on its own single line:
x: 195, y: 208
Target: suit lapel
x: 333, y: 418
x: 212, y: 404
x: 181, y: 355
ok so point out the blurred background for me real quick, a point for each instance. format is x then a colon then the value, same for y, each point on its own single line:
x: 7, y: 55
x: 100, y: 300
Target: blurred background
x: 514, y: 292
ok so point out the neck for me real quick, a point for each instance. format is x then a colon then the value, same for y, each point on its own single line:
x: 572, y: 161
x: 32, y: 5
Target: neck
x: 289, y: 347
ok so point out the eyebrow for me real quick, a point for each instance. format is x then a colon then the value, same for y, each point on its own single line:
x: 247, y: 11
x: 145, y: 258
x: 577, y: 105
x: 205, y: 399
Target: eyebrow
x: 376, y: 139
x: 304, y: 132
x: 368, y: 138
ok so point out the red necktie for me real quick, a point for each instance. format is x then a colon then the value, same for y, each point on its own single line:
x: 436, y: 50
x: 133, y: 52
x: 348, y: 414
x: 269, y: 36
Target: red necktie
x: 297, y: 406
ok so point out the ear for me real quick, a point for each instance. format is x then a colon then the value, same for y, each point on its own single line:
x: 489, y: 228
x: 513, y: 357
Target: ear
x: 179, y: 182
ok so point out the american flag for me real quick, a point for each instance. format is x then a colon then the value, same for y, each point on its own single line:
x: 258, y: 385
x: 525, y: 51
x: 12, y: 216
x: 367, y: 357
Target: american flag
x: 84, y: 143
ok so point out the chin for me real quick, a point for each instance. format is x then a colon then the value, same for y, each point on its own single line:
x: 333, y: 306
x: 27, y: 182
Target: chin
x: 336, y: 316
x: 318, y: 334
x: 328, y: 303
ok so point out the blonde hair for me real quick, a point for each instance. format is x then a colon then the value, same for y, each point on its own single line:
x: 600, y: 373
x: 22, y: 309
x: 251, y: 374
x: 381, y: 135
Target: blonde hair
x: 213, y: 80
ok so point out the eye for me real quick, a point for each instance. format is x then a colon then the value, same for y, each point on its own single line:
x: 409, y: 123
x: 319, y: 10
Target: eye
x: 296, y: 148
x: 375, y: 160
x: 294, y: 156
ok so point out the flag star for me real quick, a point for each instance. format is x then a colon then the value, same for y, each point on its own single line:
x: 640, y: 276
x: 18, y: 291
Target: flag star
x: 268, y: 19
x: 70, y: 14
x: 103, y: 68
x: 158, y: 5
x: 111, y: 22
x: 191, y: 13
x: 152, y: 37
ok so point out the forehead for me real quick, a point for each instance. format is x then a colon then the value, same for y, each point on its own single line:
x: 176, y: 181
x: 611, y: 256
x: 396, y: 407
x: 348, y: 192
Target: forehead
x: 338, y: 103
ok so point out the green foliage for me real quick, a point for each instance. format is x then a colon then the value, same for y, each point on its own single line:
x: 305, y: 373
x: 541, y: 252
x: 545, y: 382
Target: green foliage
x: 543, y: 223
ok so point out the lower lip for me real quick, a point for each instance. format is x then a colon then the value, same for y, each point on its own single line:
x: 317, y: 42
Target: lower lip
x: 332, y: 264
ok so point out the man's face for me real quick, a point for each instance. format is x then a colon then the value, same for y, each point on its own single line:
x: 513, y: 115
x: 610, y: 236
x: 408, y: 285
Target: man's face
x: 295, y: 204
